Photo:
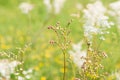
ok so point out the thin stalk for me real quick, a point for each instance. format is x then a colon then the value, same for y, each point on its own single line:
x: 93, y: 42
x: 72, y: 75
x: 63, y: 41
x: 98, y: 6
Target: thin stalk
x: 64, y: 74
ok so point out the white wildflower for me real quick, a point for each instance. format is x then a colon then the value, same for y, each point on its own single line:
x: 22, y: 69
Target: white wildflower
x: 95, y: 20
x: 30, y: 71
x: 26, y: 7
x: 117, y: 74
x: 20, y: 78
x: 48, y: 5
x: 89, y: 30
x: 55, y: 5
x: 103, y: 22
x: 27, y: 76
x: 77, y: 54
x: 27, y: 73
x: 115, y: 11
x: 7, y: 67
x: 58, y: 4
x: 24, y: 72
x: 116, y: 7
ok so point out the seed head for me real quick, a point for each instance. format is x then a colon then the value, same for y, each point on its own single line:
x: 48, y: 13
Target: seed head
x: 52, y: 41
x: 50, y: 27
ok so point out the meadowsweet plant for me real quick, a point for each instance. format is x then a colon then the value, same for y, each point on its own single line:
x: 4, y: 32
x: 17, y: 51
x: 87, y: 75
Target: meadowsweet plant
x: 96, y: 23
x: 8, y: 64
x: 95, y: 20
x: 26, y: 74
x: 63, y: 40
x: 20, y: 68
x: 8, y: 54
x: 77, y: 56
x: 92, y: 67
x: 77, y: 53
x: 54, y: 5
x: 11, y: 65
x: 115, y: 11
x: 25, y: 7
x: 7, y: 68
x: 88, y: 62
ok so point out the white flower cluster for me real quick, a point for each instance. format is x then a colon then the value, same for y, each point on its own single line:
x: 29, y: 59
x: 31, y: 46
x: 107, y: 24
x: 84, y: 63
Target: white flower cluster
x: 7, y: 68
x: 48, y: 4
x: 57, y: 5
x: 25, y: 7
x: 115, y: 6
x: 27, y: 74
x: 115, y: 11
x: 115, y: 75
x: 78, y: 55
x: 95, y: 20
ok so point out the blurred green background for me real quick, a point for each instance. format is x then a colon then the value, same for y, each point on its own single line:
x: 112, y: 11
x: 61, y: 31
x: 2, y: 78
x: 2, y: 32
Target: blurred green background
x: 18, y: 29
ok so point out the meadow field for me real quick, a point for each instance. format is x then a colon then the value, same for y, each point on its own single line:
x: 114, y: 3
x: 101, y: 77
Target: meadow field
x: 59, y: 39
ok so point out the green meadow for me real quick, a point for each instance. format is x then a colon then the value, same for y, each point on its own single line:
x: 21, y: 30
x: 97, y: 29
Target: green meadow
x: 26, y: 38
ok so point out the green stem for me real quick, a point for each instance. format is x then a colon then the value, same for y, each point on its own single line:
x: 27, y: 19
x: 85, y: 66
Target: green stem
x: 64, y: 74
